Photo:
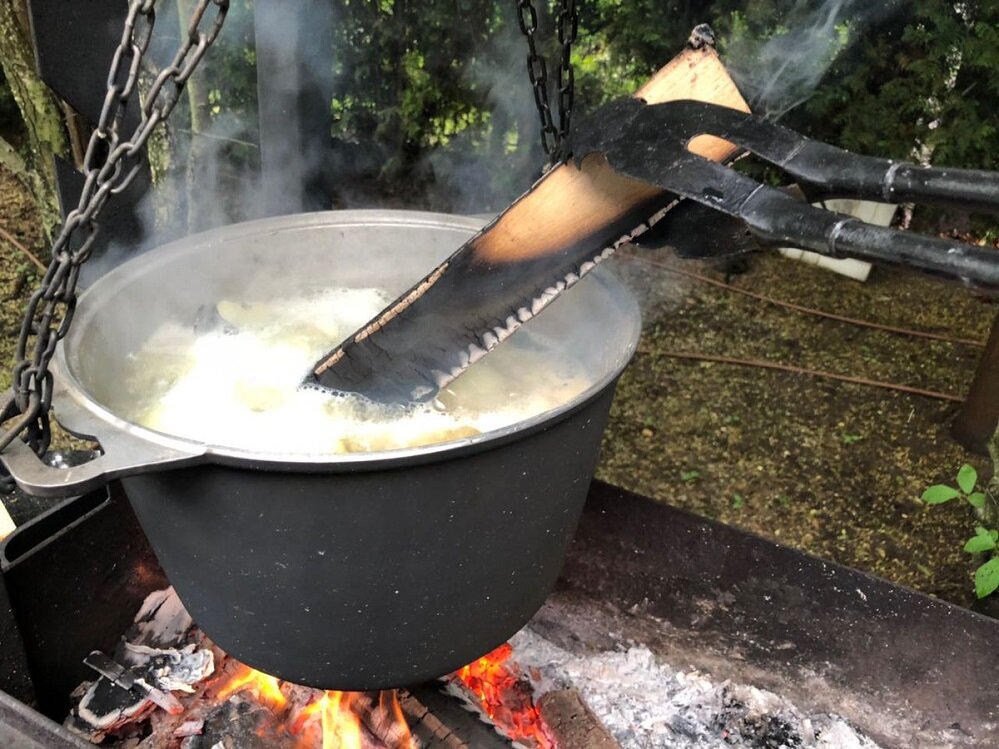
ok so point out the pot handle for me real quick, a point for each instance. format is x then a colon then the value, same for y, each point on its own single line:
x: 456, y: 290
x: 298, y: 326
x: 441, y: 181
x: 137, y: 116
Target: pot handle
x: 124, y: 455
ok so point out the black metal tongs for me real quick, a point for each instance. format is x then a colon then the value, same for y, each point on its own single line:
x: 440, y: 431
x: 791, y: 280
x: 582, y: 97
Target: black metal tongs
x: 651, y: 145
x: 471, y: 302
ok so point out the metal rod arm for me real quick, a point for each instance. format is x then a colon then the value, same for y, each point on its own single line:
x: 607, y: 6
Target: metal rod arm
x: 834, y: 172
x: 776, y: 217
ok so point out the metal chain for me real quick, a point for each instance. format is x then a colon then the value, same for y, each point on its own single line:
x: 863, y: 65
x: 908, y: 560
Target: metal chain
x: 567, y: 25
x: 567, y: 28
x: 111, y: 163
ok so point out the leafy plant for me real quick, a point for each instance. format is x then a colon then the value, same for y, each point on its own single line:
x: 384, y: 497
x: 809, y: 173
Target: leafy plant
x: 986, y: 539
x: 689, y: 477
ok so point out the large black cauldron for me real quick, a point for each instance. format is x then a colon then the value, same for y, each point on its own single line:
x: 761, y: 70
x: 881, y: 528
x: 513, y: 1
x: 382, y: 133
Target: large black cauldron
x: 352, y: 572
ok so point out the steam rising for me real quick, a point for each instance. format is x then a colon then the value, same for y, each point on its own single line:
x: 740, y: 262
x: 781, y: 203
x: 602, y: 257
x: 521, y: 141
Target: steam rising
x: 476, y: 177
x: 477, y: 170
x: 781, y: 71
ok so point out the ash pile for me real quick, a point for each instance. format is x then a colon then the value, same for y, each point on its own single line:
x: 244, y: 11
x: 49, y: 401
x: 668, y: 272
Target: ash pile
x: 647, y: 704
x: 168, y: 686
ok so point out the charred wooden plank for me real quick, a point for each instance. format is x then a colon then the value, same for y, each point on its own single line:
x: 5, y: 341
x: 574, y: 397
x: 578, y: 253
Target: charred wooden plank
x: 571, y: 722
x: 569, y: 221
x: 427, y: 728
x: 454, y: 727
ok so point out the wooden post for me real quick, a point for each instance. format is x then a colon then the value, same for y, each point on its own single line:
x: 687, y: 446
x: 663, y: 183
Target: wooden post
x: 294, y: 91
x: 979, y: 415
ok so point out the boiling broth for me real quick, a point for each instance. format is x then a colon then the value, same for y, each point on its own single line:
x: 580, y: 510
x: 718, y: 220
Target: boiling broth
x: 237, y: 384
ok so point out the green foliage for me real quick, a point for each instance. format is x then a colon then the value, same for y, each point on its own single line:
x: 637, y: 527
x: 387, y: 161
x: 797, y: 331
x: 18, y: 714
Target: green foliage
x: 689, y: 477
x: 987, y: 578
x: 967, y: 477
x: 924, y: 77
x: 939, y: 494
x: 430, y: 96
x: 431, y: 101
x: 985, y: 539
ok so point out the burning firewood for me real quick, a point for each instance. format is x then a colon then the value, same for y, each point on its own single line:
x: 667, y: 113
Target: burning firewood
x: 427, y: 726
x: 220, y: 702
x: 496, y: 689
x: 571, y: 722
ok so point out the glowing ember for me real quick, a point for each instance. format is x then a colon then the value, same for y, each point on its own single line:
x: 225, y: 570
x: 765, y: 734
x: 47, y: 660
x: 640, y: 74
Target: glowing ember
x: 504, y: 697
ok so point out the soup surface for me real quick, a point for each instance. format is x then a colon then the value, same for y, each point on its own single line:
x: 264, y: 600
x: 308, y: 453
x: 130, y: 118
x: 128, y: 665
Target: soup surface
x: 233, y: 380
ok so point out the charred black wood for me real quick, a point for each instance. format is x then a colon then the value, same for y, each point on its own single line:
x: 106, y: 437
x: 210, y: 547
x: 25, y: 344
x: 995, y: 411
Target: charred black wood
x: 462, y: 725
x: 571, y: 722
x: 460, y: 311
x: 978, y: 418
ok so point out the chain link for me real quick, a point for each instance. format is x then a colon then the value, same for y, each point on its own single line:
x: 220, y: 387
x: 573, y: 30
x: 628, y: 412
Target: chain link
x: 567, y: 26
x: 111, y: 162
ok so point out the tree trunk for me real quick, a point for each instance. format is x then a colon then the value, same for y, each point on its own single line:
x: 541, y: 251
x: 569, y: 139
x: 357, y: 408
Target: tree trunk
x: 199, y: 155
x: 39, y: 109
x: 978, y: 417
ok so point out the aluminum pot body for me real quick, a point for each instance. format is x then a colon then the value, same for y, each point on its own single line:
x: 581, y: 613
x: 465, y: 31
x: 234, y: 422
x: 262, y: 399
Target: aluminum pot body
x: 356, y: 571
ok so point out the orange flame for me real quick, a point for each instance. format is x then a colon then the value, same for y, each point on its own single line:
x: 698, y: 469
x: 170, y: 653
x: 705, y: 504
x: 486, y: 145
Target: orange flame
x: 504, y: 697
x: 389, y: 701
x: 340, y: 724
x: 264, y: 688
x: 333, y: 715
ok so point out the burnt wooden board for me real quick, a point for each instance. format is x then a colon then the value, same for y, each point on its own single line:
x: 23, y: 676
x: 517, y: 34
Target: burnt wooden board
x: 442, y: 723
x: 550, y: 237
x: 572, y: 723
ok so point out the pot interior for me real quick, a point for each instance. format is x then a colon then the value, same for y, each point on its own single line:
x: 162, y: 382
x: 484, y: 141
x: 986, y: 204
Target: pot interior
x: 596, y: 322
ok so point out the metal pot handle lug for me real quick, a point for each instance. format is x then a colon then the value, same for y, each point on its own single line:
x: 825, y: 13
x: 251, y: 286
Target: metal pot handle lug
x: 124, y: 455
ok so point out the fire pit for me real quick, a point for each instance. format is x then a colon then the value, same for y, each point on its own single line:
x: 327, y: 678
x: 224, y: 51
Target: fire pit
x: 662, y: 621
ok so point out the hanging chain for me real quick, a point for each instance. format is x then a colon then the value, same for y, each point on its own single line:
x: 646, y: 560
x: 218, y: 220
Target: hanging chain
x: 111, y: 162
x: 567, y: 25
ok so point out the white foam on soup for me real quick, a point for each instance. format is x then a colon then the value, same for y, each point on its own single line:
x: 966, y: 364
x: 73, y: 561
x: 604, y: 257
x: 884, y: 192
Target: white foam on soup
x: 238, y: 385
